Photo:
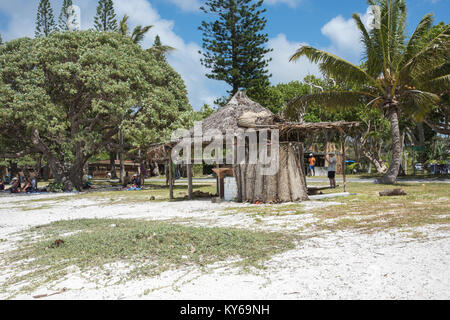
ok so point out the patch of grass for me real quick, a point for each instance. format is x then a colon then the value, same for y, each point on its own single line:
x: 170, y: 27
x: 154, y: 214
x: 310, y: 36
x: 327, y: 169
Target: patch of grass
x: 149, y: 247
x: 268, y: 210
x: 41, y: 207
x: 366, y: 211
x: 158, y: 193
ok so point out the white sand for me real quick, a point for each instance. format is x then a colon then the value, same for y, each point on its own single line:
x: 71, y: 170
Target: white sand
x: 338, y: 265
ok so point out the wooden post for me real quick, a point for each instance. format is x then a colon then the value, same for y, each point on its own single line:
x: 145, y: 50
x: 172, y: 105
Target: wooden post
x: 344, y: 161
x: 189, y: 174
x: 170, y: 175
x: 302, y: 161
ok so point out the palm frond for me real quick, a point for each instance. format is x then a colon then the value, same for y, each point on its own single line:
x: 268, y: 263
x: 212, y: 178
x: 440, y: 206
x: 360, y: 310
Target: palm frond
x: 333, y: 100
x: 161, y: 49
x: 374, y: 63
x: 420, y: 103
x: 432, y: 54
x: 123, y: 26
x: 335, y: 66
x: 435, y: 80
x: 424, y: 25
x: 139, y: 33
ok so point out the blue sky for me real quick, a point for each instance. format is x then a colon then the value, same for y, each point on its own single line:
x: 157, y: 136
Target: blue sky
x: 325, y: 24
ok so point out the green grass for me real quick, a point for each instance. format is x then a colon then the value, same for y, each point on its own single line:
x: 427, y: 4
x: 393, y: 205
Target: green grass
x: 157, y: 192
x: 268, y: 210
x: 148, y: 247
x: 366, y: 211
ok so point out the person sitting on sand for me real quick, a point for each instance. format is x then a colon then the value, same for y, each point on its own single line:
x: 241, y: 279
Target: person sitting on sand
x: 15, y: 185
x: 126, y: 181
x: 27, y: 187
x: 137, y: 181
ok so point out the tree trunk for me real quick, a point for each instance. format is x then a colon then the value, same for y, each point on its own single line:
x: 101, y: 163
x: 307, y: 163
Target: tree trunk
x: 112, y: 162
x: 391, y: 175
x: 375, y: 160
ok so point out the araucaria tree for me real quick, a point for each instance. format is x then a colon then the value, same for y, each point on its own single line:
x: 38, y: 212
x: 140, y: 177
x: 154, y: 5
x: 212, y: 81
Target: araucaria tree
x: 233, y: 44
x: 105, y: 19
x: 67, y: 95
x: 45, y: 21
x: 64, y: 15
x: 399, y: 77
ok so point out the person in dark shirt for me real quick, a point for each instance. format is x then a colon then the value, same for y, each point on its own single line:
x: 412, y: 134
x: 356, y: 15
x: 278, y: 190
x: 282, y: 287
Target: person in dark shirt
x: 2, y: 186
x: 137, y: 181
x: 15, y: 185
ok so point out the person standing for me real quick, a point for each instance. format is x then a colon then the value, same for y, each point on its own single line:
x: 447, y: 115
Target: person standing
x: 312, y: 165
x: 332, y: 161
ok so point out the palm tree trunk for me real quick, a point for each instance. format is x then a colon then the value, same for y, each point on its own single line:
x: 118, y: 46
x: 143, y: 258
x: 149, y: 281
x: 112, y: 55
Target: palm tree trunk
x: 391, y: 175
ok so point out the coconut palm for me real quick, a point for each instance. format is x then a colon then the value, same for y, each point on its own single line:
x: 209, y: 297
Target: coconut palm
x: 400, y: 77
x: 138, y: 33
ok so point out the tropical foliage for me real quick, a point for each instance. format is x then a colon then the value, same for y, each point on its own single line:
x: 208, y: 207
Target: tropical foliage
x: 400, y: 77
x: 67, y: 95
x: 234, y: 43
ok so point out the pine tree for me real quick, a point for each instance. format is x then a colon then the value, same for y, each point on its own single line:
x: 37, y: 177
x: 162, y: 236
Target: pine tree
x: 105, y: 20
x: 1, y: 40
x: 233, y: 44
x: 64, y: 16
x: 45, y: 21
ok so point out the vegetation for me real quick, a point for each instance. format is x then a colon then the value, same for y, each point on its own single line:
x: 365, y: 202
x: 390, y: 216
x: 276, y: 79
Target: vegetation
x: 65, y: 96
x: 64, y: 16
x: 399, y: 77
x: 45, y: 21
x: 105, y: 19
x: 147, y: 248
x: 138, y: 33
x: 233, y: 44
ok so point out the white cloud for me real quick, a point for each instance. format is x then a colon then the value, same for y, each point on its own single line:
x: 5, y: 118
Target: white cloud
x: 290, y: 3
x: 345, y: 36
x: 187, y: 5
x: 281, y: 68
x: 185, y: 59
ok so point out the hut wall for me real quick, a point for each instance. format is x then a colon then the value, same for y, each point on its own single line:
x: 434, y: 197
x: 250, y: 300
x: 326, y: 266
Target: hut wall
x: 287, y: 185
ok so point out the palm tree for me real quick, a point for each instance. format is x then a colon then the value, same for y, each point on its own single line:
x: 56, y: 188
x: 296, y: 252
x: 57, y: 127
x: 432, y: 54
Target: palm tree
x: 138, y: 33
x: 398, y: 76
x: 159, y: 50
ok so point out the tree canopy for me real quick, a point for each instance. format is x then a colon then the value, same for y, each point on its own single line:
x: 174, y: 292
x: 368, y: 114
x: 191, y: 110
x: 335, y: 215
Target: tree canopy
x: 399, y: 76
x: 45, y: 21
x: 67, y: 95
x: 234, y: 43
x: 105, y: 19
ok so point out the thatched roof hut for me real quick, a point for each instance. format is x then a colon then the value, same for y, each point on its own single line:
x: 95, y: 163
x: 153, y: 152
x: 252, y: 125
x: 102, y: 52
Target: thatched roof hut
x: 242, y: 115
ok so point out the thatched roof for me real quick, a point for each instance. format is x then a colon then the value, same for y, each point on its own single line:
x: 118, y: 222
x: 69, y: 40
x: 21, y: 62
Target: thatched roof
x: 227, y: 117
x: 241, y: 113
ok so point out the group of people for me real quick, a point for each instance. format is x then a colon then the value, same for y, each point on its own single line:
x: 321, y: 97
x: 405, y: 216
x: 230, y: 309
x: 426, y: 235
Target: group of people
x: 135, y: 182
x: 332, y: 161
x: 30, y: 185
